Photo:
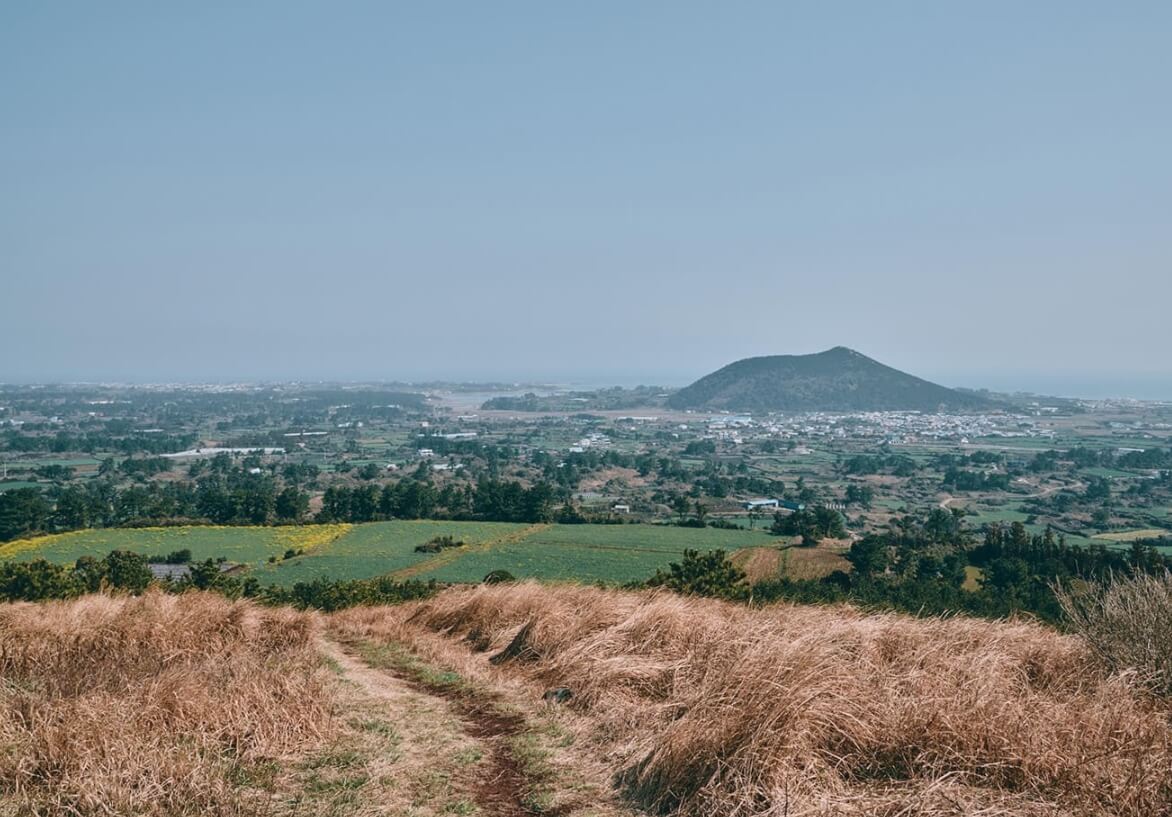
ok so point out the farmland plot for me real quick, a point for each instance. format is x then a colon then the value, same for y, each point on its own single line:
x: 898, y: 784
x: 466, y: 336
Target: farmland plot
x: 242, y: 545
x: 591, y: 553
x: 378, y: 548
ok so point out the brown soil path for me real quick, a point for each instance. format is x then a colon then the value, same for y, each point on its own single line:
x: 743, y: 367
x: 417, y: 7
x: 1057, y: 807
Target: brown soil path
x: 498, y: 786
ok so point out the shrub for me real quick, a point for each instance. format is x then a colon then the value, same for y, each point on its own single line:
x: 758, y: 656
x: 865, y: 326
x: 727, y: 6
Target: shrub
x: 708, y: 574
x: 438, y: 543
x: 1127, y: 622
x: 328, y: 596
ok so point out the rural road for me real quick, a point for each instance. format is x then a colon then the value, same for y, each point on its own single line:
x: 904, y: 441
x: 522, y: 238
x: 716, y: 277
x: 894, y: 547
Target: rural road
x: 1075, y: 486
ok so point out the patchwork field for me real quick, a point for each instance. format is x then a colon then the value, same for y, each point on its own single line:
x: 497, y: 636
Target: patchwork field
x: 592, y: 553
x: 243, y: 545
x: 587, y: 553
x: 613, y: 554
x: 766, y: 563
x: 384, y: 547
x: 1132, y: 535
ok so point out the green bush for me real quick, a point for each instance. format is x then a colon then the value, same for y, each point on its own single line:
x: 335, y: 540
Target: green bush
x: 708, y: 574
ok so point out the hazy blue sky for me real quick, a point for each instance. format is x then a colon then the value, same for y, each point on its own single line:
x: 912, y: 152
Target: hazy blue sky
x: 977, y: 192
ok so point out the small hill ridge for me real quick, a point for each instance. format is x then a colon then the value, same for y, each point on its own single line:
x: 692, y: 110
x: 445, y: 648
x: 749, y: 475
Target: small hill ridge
x: 839, y: 379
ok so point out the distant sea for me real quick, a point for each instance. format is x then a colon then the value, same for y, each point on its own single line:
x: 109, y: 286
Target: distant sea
x: 1091, y: 387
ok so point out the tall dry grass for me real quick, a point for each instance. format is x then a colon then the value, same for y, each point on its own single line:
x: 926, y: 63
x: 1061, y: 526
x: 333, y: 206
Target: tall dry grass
x: 708, y: 708
x: 157, y: 705
x: 1127, y: 621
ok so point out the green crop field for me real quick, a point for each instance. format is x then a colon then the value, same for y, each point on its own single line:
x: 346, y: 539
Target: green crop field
x: 1108, y: 473
x: 1016, y: 443
x: 13, y: 485
x: 589, y: 553
x: 244, y: 545
x: 75, y: 462
x: 1131, y: 535
x: 380, y: 547
x: 662, y: 537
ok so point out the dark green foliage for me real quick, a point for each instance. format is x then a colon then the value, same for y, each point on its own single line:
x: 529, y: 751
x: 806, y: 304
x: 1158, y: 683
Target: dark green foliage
x: 291, y: 504
x: 438, y: 543
x: 123, y: 571
x: 707, y: 574
x: 499, y: 577
x: 207, y: 575
x: 607, y: 399
x: 369, y: 471
x: 957, y: 479
x: 223, y: 497
x: 489, y: 500
x: 127, y: 571
x: 22, y: 512
x: 811, y: 523
x: 918, y: 566
x: 144, y: 467
x: 326, y: 595
x: 58, y: 473
x: 863, y: 464
x: 860, y: 495
x: 38, y: 579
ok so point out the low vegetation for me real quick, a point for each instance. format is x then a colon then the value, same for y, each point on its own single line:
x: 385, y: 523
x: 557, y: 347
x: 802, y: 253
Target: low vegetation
x: 291, y: 554
x: 438, y: 544
x: 702, y: 707
x: 514, y: 698
x: 155, y: 705
x: 1128, y: 624
x: 126, y: 572
x: 933, y: 564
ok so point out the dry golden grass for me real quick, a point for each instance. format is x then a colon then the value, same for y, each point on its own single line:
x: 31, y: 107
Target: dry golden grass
x: 759, y: 564
x: 702, y: 707
x: 767, y: 563
x: 1128, y: 623
x: 158, y: 705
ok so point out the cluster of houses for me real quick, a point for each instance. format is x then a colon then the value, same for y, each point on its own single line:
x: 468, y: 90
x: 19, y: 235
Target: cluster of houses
x: 594, y: 440
x: 893, y: 427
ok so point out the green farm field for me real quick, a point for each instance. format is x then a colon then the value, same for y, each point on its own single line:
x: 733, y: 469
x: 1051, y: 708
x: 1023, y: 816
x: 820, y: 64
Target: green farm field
x: 376, y: 548
x: 1131, y: 535
x: 15, y: 485
x: 592, y: 553
x: 242, y: 545
x: 74, y: 462
x: 587, y: 553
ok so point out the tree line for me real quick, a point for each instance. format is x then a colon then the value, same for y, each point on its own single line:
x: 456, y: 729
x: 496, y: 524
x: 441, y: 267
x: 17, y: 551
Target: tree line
x: 241, y: 498
x: 926, y: 564
x: 488, y: 500
x: 122, y: 571
x: 918, y: 566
